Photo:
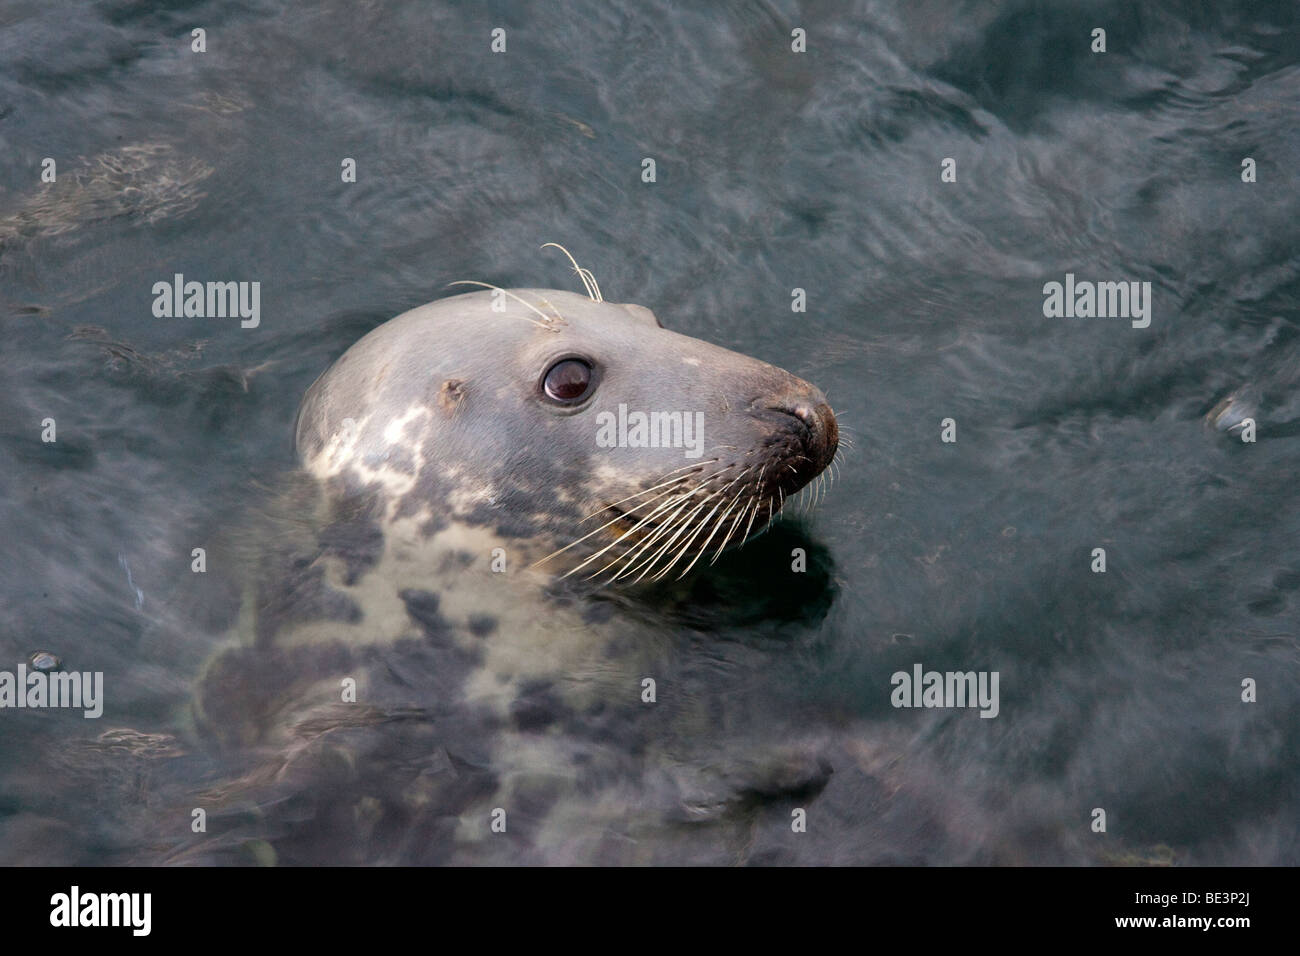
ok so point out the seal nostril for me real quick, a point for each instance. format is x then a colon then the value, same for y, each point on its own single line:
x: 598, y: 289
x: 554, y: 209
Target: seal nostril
x: 823, y: 433
x: 804, y: 411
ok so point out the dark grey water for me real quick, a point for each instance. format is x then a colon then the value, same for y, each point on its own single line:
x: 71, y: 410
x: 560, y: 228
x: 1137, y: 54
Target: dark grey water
x: 776, y: 170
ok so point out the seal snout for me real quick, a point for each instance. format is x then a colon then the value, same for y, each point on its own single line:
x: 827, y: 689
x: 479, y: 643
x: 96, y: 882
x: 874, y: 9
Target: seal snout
x: 818, y: 429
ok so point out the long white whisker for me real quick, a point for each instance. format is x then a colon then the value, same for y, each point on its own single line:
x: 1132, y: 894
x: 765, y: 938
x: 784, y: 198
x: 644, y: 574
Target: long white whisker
x: 588, y: 280
x: 685, y: 524
x: 614, y: 520
x: 671, y: 524
x: 661, y: 484
x: 594, y: 284
x: 683, y: 497
x: 701, y: 526
x: 730, y: 531
x: 745, y: 537
x: 705, y: 546
x: 547, y: 320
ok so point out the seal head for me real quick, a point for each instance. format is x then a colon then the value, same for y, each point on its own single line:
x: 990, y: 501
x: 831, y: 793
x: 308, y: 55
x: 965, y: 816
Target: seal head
x: 615, y: 447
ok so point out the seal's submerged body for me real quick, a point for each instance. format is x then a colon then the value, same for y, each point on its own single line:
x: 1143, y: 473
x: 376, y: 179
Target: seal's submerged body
x: 432, y: 648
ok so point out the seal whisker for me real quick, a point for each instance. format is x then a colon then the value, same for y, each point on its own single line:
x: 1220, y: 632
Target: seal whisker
x: 613, y: 520
x: 629, y: 557
x: 771, y: 516
x: 750, y: 506
x: 625, y: 559
x: 547, y: 321
x: 684, y: 524
x: 588, y: 280
x: 576, y: 268
x: 661, y: 484
x: 633, y: 555
x: 716, y: 525
x: 676, y: 524
x: 592, y: 279
x: 613, y: 505
x: 752, y: 516
x: 730, y: 531
x: 684, y: 497
x: 550, y: 305
x: 622, y: 556
x: 677, y: 556
x: 702, y: 525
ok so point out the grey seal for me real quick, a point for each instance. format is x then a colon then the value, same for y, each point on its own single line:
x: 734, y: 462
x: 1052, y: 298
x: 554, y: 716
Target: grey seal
x: 429, y: 639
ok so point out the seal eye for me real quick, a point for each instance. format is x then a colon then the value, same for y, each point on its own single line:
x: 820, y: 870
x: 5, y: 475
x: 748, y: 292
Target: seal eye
x: 568, y: 381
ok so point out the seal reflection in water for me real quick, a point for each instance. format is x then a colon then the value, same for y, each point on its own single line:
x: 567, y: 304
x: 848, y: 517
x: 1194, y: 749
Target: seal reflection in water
x: 481, y: 464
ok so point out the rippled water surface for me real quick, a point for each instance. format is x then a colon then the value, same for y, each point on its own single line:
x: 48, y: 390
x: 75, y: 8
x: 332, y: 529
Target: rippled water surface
x: 775, y: 170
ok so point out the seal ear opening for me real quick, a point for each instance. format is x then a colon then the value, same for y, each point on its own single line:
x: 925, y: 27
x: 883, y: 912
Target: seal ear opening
x: 642, y: 314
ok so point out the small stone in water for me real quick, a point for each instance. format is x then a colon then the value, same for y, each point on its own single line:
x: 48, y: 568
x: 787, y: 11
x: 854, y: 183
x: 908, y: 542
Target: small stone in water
x: 45, y: 661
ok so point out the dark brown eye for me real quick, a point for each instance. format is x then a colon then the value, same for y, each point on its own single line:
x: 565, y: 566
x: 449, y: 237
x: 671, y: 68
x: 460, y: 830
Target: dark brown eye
x: 568, y: 381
